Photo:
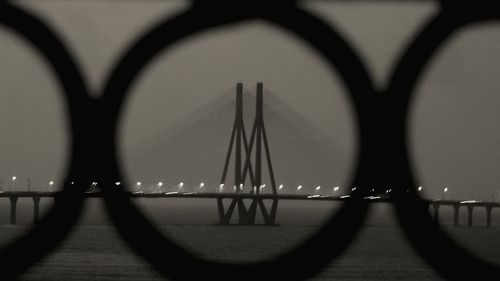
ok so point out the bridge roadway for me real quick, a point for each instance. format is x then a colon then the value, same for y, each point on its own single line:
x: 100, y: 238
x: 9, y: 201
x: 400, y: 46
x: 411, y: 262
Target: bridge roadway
x: 13, y: 196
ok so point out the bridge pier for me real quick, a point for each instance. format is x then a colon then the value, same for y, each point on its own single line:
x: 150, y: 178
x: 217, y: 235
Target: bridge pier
x: 13, y: 209
x: 222, y: 216
x: 456, y: 209
x: 36, y: 207
x: 243, y: 151
x: 435, y: 208
x: 488, y: 216
x: 470, y: 209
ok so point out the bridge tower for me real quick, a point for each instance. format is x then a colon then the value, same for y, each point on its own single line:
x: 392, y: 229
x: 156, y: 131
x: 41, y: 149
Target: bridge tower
x: 258, y: 137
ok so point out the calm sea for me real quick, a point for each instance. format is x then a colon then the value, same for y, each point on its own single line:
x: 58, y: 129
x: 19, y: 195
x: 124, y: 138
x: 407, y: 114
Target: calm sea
x: 94, y: 250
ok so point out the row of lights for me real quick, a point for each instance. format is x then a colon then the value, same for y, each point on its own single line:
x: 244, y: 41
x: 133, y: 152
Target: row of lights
x: 299, y: 187
x: 14, y: 178
x: 221, y: 187
x: 181, y: 184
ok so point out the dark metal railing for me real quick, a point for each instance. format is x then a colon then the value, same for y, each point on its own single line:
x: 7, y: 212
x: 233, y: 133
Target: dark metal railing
x: 382, y: 117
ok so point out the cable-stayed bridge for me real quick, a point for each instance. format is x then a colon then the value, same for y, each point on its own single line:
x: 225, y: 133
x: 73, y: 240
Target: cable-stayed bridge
x: 434, y: 205
x: 244, y: 194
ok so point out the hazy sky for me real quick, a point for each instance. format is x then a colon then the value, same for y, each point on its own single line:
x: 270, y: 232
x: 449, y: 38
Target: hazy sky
x: 454, y: 132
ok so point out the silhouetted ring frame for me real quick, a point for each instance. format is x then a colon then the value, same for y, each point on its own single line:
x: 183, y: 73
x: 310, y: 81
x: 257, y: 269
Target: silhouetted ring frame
x: 449, y: 258
x: 172, y: 260
x: 29, y: 248
x: 441, y: 252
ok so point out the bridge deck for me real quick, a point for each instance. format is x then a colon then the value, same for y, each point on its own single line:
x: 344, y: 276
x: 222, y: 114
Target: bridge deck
x: 28, y: 194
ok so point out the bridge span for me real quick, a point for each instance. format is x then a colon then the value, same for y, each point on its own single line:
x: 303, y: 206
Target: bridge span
x: 434, y: 205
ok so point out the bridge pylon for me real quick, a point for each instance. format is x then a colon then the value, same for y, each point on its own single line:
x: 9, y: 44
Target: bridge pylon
x: 243, y: 148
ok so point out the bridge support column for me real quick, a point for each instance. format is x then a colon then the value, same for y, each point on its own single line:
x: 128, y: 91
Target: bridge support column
x: 13, y: 209
x: 470, y: 210
x: 488, y: 216
x: 435, y: 208
x: 220, y: 209
x: 244, y: 149
x: 456, y: 209
x: 36, y: 208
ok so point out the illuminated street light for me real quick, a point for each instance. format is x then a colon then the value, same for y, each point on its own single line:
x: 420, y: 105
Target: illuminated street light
x: 336, y: 188
x: 419, y: 188
x: 138, y: 186
x: 200, y: 188
x: 444, y: 191
x: 180, y: 186
x: 13, y: 181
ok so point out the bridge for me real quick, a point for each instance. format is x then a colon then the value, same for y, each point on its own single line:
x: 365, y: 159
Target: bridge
x: 435, y: 205
x: 248, y: 155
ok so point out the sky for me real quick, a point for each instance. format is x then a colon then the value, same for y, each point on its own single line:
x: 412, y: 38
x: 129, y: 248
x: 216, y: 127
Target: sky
x: 177, y: 123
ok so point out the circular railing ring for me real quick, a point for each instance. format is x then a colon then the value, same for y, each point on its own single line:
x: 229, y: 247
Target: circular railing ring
x: 172, y: 260
x: 440, y: 251
x: 444, y: 254
x: 28, y: 249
